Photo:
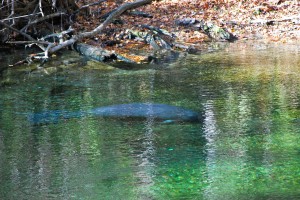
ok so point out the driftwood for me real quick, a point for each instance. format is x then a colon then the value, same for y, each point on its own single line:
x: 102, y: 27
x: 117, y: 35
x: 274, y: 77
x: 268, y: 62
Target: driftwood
x: 211, y: 30
x: 95, y: 53
x: 99, y: 54
x: 161, y: 39
x: 158, y: 38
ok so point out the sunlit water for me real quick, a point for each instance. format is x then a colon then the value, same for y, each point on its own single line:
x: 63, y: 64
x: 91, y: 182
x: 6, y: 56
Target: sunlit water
x: 248, y: 146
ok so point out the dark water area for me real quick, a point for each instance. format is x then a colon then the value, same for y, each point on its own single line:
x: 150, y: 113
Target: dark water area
x: 247, y: 147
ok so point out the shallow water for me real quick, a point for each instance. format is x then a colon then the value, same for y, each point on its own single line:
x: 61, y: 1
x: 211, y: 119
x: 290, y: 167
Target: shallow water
x: 248, y: 146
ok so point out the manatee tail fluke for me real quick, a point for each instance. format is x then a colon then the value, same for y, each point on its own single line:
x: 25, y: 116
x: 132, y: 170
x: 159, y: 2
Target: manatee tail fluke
x: 53, y: 116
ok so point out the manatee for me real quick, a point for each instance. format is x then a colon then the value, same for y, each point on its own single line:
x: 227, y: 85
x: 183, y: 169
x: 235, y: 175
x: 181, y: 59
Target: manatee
x: 158, y: 112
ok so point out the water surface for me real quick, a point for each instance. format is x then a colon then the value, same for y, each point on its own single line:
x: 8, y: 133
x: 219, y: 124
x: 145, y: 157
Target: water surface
x: 247, y: 147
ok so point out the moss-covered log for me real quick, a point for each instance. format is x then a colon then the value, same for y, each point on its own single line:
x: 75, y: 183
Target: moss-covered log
x: 99, y: 54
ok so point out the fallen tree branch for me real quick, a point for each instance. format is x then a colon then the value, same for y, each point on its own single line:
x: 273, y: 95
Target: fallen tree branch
x: 22, y: 33
x: 113, y: 15
x: 28, y: 42
x: 58, y: 35
x: 18, y: 17
x: 102, y: 26
x: 16, y: 30
x: 95, y: 53
x: 43, y: 19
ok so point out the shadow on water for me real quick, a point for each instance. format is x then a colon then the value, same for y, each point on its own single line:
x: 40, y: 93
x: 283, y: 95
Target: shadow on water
x: 246, y: 148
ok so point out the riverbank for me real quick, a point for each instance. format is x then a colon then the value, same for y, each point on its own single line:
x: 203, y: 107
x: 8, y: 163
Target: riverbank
x: 267, y: 21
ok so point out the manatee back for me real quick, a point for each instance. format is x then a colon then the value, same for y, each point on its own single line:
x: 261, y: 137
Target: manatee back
x: 147, y: 110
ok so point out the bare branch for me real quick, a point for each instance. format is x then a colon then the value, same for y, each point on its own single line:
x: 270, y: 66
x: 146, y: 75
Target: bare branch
x: 29, y: 42
x: 16, y: 30
x: 43, y: 19
x: 113, y: 15
x: 22, y: 33
x: 13, y: 10
x: 10, y: 18
x: 101, y: 27
x: 86, y: 6
x: 40, y: 7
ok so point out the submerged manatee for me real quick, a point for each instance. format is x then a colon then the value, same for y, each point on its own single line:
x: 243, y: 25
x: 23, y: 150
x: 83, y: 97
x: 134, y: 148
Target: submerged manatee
x: 160, y: 112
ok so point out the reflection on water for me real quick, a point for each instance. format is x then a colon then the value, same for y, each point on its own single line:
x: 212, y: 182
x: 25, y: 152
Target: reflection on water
x: 247, y: 147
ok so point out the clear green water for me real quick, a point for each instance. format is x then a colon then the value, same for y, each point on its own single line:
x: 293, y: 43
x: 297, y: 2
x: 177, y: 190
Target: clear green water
x: 247, y: 148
